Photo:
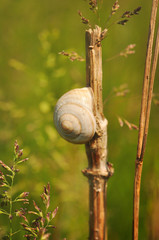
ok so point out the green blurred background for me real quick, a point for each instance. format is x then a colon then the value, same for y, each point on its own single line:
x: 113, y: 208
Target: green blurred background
x: 33, y: 76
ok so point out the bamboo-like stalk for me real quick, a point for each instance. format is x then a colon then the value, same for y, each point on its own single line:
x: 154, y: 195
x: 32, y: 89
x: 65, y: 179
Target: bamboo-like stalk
x: 98, y: 171
x: 145, y: 115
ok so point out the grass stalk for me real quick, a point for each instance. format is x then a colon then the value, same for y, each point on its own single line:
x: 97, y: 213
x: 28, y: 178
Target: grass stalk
x: 145, y: 114
x: 154, y: 65
x: 147, y: 76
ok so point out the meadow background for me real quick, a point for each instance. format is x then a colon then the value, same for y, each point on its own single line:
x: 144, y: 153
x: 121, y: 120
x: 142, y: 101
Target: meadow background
x: 33, y: 76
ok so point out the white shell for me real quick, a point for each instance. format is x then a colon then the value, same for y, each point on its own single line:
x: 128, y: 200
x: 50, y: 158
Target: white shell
x: 73, y: 115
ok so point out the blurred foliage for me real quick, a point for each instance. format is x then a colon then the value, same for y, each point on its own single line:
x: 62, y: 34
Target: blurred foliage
x: 33, y: 76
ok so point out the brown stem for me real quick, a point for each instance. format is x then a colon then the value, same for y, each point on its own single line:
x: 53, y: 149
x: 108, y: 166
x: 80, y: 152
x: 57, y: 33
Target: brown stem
x: 98, y: 171
x: 154, y: 65
x: 147, y: 76
x: 137, y: 182
x: 144, y: 117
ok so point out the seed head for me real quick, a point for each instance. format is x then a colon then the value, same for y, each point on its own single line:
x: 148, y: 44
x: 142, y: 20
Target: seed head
x: 115, y: 7
x: 93, y: 5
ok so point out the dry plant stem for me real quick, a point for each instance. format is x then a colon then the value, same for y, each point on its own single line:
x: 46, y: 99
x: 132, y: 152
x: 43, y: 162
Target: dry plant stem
x: 147, y: 76
x: 144, y: 119
x: 153, y: 71
x: 97, y: 171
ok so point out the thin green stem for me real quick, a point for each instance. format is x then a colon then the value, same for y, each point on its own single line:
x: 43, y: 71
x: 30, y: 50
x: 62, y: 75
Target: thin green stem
x: 11, y: 201
x: 113, y: 23
x: 10, y: 219
x: 111, y: 58
x: 108, y: 19
x: 108, y: 97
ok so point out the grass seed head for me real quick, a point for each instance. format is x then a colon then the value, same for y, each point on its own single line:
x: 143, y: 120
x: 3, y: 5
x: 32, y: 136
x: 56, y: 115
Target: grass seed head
x: 115, y: 7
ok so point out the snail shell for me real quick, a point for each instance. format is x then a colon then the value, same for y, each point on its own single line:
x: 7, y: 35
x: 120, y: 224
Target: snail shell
x: 73, y: 115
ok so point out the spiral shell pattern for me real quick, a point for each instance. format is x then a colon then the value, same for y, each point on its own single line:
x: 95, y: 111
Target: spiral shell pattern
x: 73, y: 115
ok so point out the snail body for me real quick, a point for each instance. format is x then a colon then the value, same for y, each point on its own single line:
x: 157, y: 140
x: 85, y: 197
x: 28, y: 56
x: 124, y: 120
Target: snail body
x: 73, y: 115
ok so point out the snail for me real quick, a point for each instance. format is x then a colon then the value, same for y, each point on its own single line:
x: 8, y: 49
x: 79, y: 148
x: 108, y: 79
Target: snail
x: 73, y: 115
